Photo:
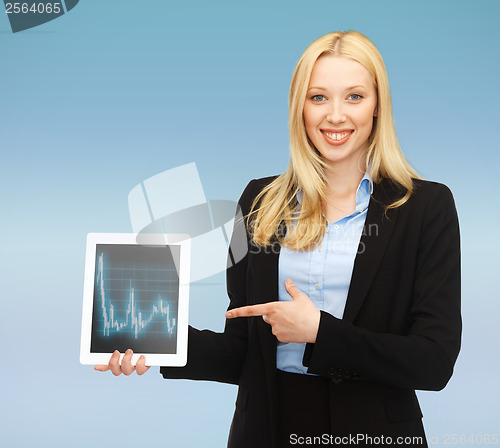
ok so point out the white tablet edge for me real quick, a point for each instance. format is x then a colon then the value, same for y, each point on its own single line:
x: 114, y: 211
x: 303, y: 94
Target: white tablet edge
x: 178, y: 359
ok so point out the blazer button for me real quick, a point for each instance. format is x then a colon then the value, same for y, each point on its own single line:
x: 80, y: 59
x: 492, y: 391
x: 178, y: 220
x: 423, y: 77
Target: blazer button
x: 336, y: 375
x: 336, y: 380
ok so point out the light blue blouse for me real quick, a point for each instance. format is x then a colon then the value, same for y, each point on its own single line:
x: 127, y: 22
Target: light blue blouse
x: 324, y: 273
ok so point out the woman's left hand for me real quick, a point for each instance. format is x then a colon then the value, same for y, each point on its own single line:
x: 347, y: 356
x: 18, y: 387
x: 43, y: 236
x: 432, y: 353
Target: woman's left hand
x: 293, y: 321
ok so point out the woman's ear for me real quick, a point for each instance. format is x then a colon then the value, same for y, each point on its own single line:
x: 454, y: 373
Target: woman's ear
x: 375, y: 112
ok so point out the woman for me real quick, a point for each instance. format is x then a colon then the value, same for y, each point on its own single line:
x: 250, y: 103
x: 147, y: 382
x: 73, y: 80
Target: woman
x: 348, y: 299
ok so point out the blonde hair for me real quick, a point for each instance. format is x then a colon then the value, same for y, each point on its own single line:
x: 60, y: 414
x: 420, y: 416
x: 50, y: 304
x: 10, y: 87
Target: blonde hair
x: 384, y: 159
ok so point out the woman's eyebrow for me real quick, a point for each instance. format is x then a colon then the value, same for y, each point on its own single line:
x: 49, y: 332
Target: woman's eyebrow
x: 347, y: 88
x: 356, y: 87
x: 316, y: 88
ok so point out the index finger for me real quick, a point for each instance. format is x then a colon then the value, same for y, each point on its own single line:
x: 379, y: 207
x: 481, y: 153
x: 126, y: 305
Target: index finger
x: 251, y: 310
x: 126, y: 365
x: 141, y: 367
x: 113, y: 363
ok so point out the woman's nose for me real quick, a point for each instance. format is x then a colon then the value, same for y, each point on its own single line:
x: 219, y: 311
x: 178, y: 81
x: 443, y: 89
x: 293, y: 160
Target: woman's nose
x: 336, y: 113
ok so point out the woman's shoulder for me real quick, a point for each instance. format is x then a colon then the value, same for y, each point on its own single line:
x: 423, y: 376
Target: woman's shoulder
x: 422, y: 189
x: 427, y: 197
x: 433, y: 192
x: 262, y: 182
x: 254, y: 187
x: 430, y: 185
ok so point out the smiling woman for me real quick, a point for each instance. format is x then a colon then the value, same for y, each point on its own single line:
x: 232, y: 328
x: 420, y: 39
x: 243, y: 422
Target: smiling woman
x: 348, y: 298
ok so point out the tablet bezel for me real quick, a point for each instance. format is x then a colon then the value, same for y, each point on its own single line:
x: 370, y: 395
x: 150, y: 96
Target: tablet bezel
x: 152, y: 359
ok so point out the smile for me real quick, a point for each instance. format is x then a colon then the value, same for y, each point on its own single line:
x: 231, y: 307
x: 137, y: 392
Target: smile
x: 337, y: 138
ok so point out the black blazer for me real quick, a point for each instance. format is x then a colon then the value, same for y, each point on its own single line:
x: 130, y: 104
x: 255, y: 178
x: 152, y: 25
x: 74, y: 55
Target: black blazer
x: 401, y: 328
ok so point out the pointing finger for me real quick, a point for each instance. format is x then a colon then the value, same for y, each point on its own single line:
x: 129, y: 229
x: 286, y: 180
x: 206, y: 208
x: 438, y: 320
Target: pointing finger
x: 247, y: 311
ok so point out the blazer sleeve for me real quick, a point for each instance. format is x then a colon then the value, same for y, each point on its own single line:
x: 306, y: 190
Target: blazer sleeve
x: 424, y: 357
x: 216, y: 356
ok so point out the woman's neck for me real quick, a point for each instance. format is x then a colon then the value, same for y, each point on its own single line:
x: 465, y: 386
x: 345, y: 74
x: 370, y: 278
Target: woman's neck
x: 343, y: 180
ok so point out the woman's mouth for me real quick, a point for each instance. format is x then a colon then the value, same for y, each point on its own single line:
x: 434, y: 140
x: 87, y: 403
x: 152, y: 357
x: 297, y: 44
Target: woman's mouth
x: 336, y: 137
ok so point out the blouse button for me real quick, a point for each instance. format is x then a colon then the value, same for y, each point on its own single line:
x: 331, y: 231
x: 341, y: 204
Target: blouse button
x: 317, y: 286
x: 336, y: 226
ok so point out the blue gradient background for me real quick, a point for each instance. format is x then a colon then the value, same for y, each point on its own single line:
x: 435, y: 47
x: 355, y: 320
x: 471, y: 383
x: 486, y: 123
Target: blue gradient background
x: 116, y: 91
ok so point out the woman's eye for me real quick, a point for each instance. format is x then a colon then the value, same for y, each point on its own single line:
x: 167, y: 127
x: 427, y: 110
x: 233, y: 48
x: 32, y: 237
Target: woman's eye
x: 355, y: 97
x: 318, y: 98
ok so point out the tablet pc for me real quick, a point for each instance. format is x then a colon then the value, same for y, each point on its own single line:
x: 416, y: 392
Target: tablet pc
x: 136, y: 295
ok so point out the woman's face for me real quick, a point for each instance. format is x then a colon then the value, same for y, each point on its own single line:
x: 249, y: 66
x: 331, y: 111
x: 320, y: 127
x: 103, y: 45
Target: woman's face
x: 339, y: 109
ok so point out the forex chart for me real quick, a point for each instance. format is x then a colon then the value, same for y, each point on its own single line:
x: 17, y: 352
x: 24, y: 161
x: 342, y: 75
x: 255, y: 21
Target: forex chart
x: 135, y: 299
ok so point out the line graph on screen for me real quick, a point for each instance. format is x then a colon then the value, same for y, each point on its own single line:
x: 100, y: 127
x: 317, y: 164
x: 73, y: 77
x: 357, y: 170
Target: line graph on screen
x: 130, y: 298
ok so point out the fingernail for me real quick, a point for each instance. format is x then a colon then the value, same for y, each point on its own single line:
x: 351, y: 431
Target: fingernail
x: 229, y: 314
x: 289, y: 281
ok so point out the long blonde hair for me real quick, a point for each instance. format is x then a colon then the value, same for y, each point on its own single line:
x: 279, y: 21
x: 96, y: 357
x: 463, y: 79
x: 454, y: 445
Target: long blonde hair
x: 277, y: 205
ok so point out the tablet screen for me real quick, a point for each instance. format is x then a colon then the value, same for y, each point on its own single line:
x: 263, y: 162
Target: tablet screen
x: 136, y: 295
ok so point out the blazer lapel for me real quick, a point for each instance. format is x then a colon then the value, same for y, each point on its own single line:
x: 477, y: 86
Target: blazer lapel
x: 376, y: 234
x: 268, y: 292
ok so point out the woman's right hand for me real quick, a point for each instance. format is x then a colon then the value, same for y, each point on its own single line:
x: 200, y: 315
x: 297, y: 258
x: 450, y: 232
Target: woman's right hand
x: 126, y: 366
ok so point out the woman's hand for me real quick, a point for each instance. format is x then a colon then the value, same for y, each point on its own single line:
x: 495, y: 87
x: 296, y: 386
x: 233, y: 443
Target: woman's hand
x: 126, y: 366
x: 293, y: 321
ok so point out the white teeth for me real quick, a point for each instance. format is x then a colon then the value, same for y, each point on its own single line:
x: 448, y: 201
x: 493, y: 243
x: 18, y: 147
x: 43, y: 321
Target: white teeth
x: 337, y: 135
